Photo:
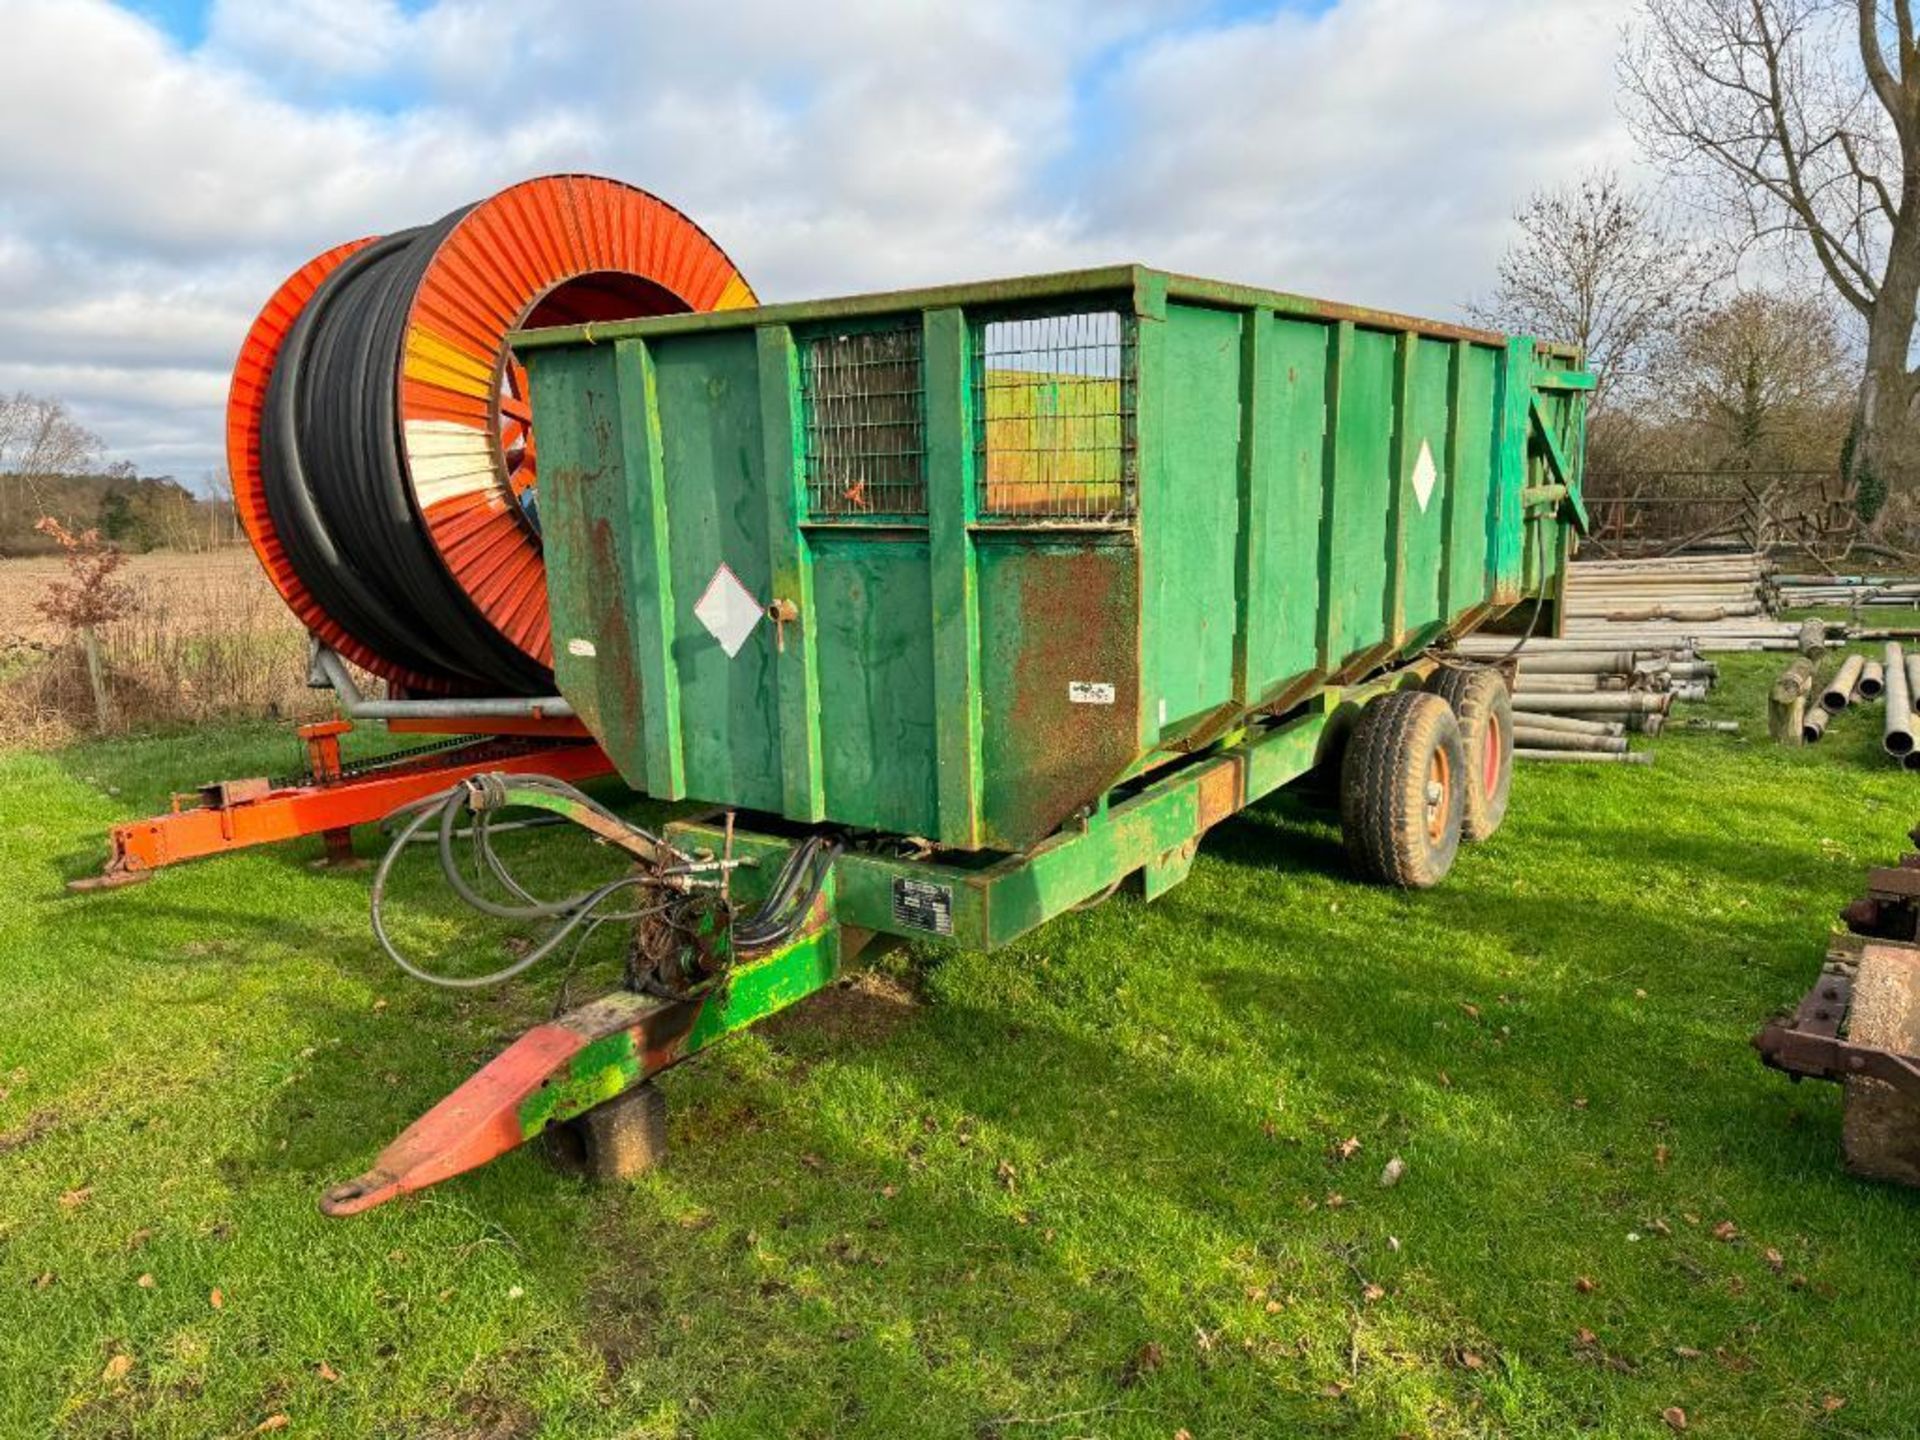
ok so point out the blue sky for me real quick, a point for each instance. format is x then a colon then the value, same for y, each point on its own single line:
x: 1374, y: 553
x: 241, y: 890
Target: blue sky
x: 169, y: 162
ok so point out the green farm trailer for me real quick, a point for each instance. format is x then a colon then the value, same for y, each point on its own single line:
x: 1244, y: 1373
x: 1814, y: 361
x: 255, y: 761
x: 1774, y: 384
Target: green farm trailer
x: 960, y: 607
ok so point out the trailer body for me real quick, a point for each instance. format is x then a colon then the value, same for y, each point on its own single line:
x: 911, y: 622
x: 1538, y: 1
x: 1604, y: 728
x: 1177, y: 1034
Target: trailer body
x: 956, y: 563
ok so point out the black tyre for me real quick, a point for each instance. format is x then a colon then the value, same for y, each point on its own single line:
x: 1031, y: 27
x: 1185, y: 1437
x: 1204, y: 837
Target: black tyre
x: 1401, y: 796
x: 615, y: 1140
x: 1481, y: 704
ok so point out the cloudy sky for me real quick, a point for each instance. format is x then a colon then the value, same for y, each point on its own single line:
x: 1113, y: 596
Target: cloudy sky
x: 163, y: 163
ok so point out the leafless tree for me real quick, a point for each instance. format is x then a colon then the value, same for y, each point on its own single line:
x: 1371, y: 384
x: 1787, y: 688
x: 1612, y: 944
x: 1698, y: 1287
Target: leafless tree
x: 1799, y: 121
x: 1762, y: 382
x: 1598, y: 264
x: 39, y: 440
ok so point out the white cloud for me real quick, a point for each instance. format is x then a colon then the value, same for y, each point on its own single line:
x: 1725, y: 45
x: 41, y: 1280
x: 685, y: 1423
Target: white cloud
x: 150, y: 197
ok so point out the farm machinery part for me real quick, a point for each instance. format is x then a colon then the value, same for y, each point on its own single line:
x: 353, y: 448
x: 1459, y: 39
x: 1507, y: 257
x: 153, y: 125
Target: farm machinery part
x: 379, y: 432
x: 1860, y: 1025
x: 329, y: 798
x: 385, y: 472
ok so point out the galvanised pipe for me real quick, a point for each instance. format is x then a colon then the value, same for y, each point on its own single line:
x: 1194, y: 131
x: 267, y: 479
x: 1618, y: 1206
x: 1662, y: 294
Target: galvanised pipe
x: 1839, y: 690
x: 1583, y: 757
x: 1896, y: 729
x: 1872, y: 680
x: 1527, y: 738
x: 1581, y: 662
x: 1619, y: 702
x: 1815, y: 724
x: 334, y: 670
x: 1573, y: 725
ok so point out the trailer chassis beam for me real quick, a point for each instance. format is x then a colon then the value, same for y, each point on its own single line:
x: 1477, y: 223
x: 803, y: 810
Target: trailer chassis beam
x: 239, y: 814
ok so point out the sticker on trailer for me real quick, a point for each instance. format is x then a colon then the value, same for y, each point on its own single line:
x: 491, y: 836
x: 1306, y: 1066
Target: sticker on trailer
x: 923, y: 905
x: 1090, y: 692
x: 728, y: 610
x: 583, y: 648
x: 1424, y: 476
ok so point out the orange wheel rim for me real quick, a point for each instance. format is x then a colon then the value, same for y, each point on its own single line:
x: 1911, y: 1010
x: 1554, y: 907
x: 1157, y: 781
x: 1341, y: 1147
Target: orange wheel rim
x: 1439, y: 793
x: 1490, y: 756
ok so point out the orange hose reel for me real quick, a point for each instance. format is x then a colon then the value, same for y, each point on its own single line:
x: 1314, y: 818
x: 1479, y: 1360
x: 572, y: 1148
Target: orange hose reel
x: 561, y: 249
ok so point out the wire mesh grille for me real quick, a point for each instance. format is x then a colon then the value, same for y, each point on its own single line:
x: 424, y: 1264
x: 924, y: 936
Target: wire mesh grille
x: 862, y: 396
x: 1054, y: 417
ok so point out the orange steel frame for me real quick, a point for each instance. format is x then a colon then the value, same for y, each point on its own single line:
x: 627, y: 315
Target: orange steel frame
x: 238, y: 814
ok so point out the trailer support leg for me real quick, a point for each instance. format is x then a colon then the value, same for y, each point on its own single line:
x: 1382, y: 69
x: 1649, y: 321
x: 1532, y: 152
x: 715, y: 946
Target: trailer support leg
x: 560, y: 1071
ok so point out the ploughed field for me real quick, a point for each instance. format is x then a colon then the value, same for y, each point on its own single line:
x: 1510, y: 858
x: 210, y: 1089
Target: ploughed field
x: 1120, y: 1180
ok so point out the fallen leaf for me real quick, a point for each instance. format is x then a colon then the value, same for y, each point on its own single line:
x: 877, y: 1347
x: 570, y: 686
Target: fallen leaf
x: 1446, y: 1081
x: 1726, y: 1230
x: 1335, y: 1200
x: 1776, y: 1260
x: 145, y: 1282
x: 1675, y: 1417
x: 1579, y: 1102
x: 812, y: 1161
x: 1183, y: 1434
x: 77, y: 1196
x: 328, y: 1373
x: 1470, y: 1360
x: 217, y: 1300
x: 1346, y: 1149
x: 45, y: 1279
x: 1373, y: 1293
x: 1586, y: 1285
x: 1586, y: 1336
x: 1005, y: 1173
x: 1687, y: 1352
x: 1333, y: 1390
x: 117, y: 1368
x: 1659, y: 1226
x: 1473, y: 1011
x: 1661, y: 1154
x: 1393, y: 1172
x: 887, y: 1192
x: 270, y: 1424
x: 1833, y: 1403
x: 139, y: 1237
x: 1147, y: 1359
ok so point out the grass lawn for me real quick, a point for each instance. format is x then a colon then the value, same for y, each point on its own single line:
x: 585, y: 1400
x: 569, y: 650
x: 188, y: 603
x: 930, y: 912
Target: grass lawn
x: 1120, y: 1180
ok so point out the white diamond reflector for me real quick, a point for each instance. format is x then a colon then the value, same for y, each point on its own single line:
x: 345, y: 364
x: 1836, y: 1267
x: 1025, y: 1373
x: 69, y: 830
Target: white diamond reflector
x: 728, y: 610
x: 1423, y: 476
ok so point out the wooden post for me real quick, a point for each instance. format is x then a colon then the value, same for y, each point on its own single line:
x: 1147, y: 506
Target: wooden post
x: 1787, y: 703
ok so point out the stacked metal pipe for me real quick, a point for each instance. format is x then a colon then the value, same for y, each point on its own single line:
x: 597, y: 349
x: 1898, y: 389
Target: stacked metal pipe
x: 1710, y: 602
x: 1802, y: 591
x: 1575, y: 702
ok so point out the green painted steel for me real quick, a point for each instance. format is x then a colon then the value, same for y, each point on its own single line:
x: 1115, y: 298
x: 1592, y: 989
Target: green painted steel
x: 1153, y: 506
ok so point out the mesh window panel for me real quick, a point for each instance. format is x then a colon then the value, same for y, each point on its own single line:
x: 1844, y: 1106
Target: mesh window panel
x: 1054, y: 417
x: 862, y: 396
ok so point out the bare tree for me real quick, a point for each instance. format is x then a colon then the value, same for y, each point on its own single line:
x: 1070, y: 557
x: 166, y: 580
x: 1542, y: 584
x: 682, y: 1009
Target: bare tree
x: 1761, y: 382
x: 39, y: 441
x: 1800, y: 128
x: 1599, y: 265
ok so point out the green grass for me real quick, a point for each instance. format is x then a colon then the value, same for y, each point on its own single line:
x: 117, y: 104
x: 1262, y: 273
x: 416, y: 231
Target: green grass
x: 1091, y: 1185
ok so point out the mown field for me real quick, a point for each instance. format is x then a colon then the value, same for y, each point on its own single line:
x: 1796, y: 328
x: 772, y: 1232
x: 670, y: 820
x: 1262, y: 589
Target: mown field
x: 1121, y: 1180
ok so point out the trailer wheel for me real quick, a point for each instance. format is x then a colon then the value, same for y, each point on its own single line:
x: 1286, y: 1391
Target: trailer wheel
x: 1401, y: 790
x: 1480, y: 703
x: 615, y: 1140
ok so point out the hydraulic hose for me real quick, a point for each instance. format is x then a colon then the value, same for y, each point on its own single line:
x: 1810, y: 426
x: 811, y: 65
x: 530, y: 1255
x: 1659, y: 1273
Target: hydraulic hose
x: 336, y: 485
